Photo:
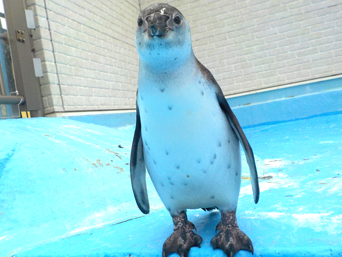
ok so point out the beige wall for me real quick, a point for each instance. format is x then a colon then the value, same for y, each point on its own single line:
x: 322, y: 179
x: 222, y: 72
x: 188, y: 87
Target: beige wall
x: 88, y: 53
x: 258, y: 44
x: 90, y: 61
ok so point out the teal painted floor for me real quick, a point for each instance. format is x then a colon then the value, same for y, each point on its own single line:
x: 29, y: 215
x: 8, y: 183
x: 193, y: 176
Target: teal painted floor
x: 65, y: 191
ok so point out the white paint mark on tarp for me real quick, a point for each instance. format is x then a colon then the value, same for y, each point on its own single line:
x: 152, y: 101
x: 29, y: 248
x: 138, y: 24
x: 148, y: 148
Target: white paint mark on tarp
x: 275, y: 163
x: 277, y: 180
x: 272, y: 215
x: 316, y: 221
x: 312, y: 217
x: 337, y: 219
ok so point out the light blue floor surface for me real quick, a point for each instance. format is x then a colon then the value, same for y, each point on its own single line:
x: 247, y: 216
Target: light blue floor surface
x: 65, y: 191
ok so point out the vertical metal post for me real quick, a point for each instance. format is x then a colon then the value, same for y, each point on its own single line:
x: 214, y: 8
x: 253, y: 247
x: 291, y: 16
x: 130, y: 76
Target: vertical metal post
x: 26, y: 82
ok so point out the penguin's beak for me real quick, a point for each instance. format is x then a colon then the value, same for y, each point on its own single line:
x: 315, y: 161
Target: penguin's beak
x: 157, y: 24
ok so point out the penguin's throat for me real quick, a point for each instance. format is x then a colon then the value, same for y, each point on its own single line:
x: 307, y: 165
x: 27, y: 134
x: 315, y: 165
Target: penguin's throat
x: 167, y: 82
x: 174, y: 67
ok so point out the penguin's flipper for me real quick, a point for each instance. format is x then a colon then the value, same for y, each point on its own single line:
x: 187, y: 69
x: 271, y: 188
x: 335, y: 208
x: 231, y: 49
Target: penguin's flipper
x: 234, y: 123
x: 138, y: 170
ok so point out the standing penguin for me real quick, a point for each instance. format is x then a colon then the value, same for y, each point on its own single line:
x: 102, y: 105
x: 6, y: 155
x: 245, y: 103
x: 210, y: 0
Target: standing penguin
x: 186, y: 135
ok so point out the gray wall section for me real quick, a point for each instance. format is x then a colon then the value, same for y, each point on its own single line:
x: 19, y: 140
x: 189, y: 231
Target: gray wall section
x: 90, y: 62
x: 88, y: 53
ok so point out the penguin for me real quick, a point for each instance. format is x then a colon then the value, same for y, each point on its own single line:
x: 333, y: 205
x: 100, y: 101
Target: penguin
x: 186, y: 135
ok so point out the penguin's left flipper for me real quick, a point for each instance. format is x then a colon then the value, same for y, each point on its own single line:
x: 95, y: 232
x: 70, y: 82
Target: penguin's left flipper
x: 138, y: 169
x: 234, y: 123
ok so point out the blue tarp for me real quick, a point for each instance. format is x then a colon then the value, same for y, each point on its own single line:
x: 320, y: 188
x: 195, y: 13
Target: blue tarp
x: 65, y: 191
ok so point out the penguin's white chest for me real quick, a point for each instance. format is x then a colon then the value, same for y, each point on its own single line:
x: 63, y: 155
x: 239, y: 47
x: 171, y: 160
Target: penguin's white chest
x: 191, y: 152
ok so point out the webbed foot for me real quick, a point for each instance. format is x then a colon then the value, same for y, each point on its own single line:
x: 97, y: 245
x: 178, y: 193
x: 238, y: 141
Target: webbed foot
x: 182, y: 238
x: 231, y: 239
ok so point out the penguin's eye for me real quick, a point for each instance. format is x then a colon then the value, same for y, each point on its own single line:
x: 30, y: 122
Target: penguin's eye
x: 140, y: 22
x: 177, y: 20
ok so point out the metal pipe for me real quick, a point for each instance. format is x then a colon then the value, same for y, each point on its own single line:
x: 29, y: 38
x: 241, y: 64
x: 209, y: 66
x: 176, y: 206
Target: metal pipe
x: 12, y: 99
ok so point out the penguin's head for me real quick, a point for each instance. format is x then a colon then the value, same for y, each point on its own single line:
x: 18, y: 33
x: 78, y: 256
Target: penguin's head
x: 162, y: 36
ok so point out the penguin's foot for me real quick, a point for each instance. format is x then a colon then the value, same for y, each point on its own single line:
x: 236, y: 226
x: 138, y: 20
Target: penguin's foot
x: 182, y: 238
x: 230, y: 238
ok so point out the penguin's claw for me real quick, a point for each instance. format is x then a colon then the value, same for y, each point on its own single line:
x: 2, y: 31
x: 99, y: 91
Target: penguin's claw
x: 231, y: 240
x: 181, y: 241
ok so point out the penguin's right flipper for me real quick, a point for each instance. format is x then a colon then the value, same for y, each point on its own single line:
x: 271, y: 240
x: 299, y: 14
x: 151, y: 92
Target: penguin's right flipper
x: 138, y: 170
